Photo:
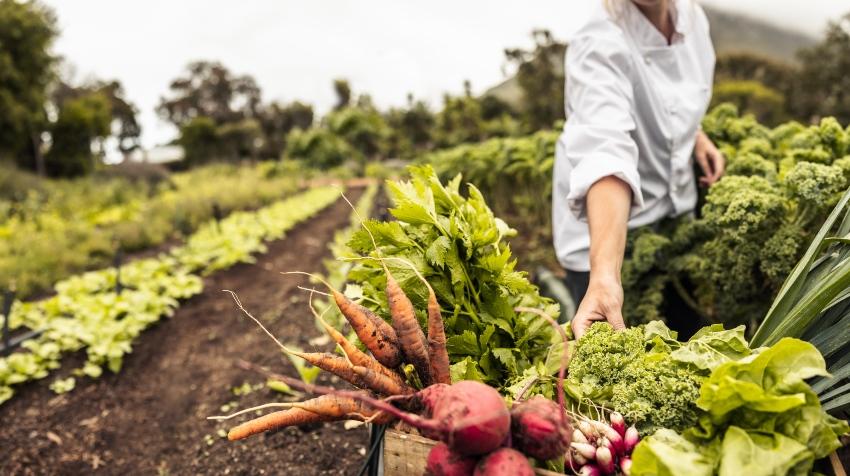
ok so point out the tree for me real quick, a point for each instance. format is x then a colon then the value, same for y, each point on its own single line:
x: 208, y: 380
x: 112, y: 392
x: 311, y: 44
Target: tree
x: 199, y: 141
x: 317, y: 146
x: 277, y: 120
x: 240, y: 139
x: 823, y: 87
x: 27, y: 31
x: 540, y: 74
x: 766, y: 104
x: 411, y: 128
x: 124, y: 125
x: 343, y: 93
x: 81, y: 121
x: 362, y: 127
x: 210, y: 90
x: 459, y: 121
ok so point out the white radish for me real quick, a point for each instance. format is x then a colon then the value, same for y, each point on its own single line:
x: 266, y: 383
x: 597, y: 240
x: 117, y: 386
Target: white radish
x: 631, y: 439
x: 585, y: 450
x: 579, y: 437
x: 626, y: 466
x: 605, y: 460
x: 618, y: 423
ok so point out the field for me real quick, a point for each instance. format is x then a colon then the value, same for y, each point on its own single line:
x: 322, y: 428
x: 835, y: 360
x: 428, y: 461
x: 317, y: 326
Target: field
x: 151, y: 417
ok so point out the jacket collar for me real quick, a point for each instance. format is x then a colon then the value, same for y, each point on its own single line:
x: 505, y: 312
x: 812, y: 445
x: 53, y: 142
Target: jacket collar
x: 645, y: 33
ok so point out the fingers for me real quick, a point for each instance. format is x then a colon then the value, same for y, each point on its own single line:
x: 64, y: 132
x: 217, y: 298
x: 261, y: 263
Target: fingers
x: 615, y: 318
x: 702, y: 160
x: 719, y: 164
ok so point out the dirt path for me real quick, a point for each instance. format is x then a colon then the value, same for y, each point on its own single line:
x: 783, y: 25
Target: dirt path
x: 150, y: 418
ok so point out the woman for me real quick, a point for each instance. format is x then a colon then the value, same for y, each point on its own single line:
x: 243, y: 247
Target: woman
x: 639, y: 76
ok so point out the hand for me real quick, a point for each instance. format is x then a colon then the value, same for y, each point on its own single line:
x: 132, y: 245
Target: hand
x: 602, y: 302
x: 710, y: 160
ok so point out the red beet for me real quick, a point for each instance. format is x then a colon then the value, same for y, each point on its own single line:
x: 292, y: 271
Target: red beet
x: 539, y: 428
x: 504, y: 462
x: 443, y: 462
x: 473, y: 417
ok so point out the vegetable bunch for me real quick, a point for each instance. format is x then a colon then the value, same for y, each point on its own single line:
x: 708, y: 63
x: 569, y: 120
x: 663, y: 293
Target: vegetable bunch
x: 461, y: 248
x: 602, y: 448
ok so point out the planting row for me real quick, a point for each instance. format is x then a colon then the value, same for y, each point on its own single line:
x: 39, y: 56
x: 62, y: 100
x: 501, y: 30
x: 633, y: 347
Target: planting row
x: 57, y: 228
x: 89, y: 313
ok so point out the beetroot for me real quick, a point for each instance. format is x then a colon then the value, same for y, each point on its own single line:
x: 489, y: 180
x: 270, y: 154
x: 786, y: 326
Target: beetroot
x: 504, y: 462
x: 472, y: 418
x: 539, y: 428
x: 443, y: 462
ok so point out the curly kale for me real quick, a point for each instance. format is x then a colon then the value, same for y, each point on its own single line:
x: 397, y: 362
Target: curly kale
x: 623, y: 371
x: 753, y: 226
x: 751, y: 164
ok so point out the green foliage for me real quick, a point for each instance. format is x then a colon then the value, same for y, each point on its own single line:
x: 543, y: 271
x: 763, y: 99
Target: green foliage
x: 540, y: 75
x: 27, y: 30
x: 730, y: 262
x: 317, y: 147
x: 81, y: 121
x: 56, y: 228
x: 824, y: 76
x: 87, y: 314
x: 461, y: 248
x: 756, y: 415
x: 514, y: 174
x: 198, y: 139
x: 767, y: 104
x: 363, y: 129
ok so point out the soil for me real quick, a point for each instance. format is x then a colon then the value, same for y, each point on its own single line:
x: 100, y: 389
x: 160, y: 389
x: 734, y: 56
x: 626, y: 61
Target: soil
x: 151, y: 417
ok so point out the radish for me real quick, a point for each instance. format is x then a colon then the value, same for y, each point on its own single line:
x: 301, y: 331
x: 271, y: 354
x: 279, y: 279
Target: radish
x: 618, y: 423
x: 579, y: 437
x: 626, y: 466
x: 443, y: 462
x: 605, y: 460
x: 631, y: 439
x: 585, y: 450
x: 540, y: 429
x: 590, y: 470
x: 504, y: 462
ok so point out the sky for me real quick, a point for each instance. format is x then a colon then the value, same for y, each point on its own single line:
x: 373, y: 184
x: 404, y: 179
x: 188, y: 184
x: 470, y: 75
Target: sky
x: 295, y: 48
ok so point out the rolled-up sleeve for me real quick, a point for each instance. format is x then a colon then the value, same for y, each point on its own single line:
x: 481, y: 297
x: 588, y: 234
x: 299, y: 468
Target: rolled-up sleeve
x: 597, y: 140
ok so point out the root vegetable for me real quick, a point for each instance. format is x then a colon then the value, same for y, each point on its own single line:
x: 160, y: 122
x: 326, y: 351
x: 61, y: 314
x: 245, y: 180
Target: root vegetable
x: 618, y: 423
x: 443, y: 462
x: 411, y: 338
x: 375, y: 333
x: 587, y: 451
x: 579, y: 437
x: 605, y: 460
x: 290, y: 417
x: 626, y: 466
x: 539, y: 430
x: 437, y: 352
x: 631, y: 439
x: 380, y: 383
x: 590, y: 470
x: 504, y: 462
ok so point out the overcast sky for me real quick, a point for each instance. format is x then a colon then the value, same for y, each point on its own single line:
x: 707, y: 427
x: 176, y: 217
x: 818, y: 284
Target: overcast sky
x: 295, y: 48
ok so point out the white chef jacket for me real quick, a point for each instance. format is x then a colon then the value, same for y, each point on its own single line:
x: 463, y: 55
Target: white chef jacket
x: 634, y: 105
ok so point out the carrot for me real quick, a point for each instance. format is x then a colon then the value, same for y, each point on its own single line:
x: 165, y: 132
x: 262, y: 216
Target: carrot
x: 378, y: 336
x: 380, y: 383
x: 290, y: 417
x: 339, y: 366
x: 406, y: 325
x: 343, y: 407
x: 379, y: 377
x: 439, y: 355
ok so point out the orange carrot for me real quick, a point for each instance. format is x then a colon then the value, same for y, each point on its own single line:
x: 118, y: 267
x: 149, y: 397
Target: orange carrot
x: 375, y: 333
x: 290, y: 417
x: 338, y: 406
x: 360, y: 359
x: 406, y: 325
x: 382, y: 384
x: 440, y: 367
